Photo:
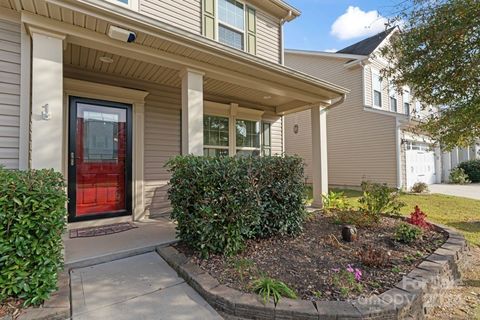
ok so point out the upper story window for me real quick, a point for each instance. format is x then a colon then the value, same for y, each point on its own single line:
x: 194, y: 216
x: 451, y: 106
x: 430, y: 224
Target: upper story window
x: 377, y: 90
x: 231, y: 23
x: 132, y: 4
x: 406, y: 101
x: 393, y: 98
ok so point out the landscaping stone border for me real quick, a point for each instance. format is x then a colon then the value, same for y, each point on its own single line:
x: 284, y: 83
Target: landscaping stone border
x: 413, y: 297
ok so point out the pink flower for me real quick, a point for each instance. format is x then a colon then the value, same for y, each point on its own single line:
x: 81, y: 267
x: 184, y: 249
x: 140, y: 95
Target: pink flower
x: 336, y: 270
x: 358, y: 274
x: 350, y: 269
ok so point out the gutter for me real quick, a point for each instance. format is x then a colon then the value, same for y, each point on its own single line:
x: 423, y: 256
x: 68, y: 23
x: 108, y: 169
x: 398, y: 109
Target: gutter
x: 337, y: 103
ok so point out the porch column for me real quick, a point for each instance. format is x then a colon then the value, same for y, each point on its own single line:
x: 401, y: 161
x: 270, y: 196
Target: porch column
x: 192, y: 112
x: 47, y: 100
x: 319, y: 155
x: 438, y: 165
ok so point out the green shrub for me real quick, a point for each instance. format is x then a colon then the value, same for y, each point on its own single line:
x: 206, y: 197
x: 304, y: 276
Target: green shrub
x: 32, y: 219
x: 458, y: 176
x: 379, y: 199
x: 407, y: 233
x: 471, y: 169
x: 334, y: 201
x: 220, y: 202
x: 420, y: 187
x: 270, y: 288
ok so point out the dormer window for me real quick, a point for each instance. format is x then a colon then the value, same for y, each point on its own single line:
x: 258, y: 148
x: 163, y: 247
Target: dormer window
x: 231, y: 23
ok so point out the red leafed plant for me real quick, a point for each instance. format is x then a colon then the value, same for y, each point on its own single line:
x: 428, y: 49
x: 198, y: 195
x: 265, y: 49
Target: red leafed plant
x: 419, y: 218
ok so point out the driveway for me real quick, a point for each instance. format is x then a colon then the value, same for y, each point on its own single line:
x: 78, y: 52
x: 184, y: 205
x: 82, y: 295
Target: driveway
x: 471, y: 191
x: 138, y: 287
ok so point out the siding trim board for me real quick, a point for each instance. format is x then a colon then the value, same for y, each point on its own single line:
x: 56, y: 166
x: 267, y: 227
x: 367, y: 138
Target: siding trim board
x: 10, y: 91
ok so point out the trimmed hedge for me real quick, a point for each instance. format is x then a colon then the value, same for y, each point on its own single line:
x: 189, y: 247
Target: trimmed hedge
x: 220, y: 202
x: 32, y: 219
x: 472, y: 169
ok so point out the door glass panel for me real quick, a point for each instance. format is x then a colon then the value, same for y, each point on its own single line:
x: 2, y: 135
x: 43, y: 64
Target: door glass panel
x: 101, y: 146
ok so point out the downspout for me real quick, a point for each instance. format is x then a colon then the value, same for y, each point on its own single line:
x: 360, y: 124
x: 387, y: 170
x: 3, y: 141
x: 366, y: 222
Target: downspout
x: 281, y: 40
x: 398, y: 143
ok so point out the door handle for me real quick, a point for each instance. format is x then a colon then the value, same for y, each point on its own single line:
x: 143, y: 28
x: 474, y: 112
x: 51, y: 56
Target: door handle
x: 72, y: 159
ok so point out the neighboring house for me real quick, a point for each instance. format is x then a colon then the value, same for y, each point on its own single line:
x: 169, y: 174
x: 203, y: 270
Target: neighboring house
x: 452, y: 159
x: 367, y: 136
x: 106, y: 92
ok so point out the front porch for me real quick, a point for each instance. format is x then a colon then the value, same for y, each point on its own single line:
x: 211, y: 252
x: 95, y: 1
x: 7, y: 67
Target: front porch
x: 177, y: 88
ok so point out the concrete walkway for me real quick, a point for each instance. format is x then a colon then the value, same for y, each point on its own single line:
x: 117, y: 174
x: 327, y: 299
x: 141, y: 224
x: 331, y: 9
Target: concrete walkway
x: 82, y: 252
x: 138, y: 287
x: 471, y: 191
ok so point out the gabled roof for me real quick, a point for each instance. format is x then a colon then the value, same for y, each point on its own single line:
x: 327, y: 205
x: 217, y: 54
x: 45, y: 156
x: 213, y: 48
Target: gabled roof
x: 367, y: 46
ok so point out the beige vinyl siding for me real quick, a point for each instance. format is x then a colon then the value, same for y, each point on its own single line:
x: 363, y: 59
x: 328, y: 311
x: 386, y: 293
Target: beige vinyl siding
x: 185, y: 14
x: 163, y: 132
x: 9, y: 93
x: 268, y: 37
x: 361, y: 144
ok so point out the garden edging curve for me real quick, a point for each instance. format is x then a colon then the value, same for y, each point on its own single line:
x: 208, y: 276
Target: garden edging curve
x: 413, y: 296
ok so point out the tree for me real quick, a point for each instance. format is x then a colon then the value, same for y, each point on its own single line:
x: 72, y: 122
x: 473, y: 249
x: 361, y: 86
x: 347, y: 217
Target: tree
x: 437, y: 53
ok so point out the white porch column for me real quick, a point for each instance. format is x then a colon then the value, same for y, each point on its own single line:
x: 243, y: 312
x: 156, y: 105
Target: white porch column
x: 455, y: 157
x: 438, y: 165
x: 192, y: 112
x: 47, y: 100
x: 446, y: 165
x: 319, y: 155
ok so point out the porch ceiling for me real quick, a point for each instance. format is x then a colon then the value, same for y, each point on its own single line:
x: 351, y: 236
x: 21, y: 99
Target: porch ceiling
x: 162, y: 50
x: 88, y: 59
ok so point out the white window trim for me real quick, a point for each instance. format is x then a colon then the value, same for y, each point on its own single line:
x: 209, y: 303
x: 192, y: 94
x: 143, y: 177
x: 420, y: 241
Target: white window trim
x: 218, y: 23
x: 233, y: 112
x: 375, y: 72
x: 132, y: 4
x: 406, y: 92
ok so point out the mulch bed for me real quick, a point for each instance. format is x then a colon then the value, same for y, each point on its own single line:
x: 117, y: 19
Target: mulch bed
x: 10, y: 307
x: 309, y: 262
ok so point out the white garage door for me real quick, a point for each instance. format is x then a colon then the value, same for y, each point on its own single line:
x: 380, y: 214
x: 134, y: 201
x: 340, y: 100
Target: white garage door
x: 420, y: 164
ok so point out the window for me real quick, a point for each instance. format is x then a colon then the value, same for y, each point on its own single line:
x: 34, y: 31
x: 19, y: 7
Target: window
x: 377, y: 90
x: 247, y: 135
x: 215, y: 136
x: 266, y: 139
x: 231, y: 23
x: 132, y: 4
x: 393, y: 98
x: 406, y: 102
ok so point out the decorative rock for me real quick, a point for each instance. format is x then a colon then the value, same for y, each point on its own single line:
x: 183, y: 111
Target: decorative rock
x: 349, y: 233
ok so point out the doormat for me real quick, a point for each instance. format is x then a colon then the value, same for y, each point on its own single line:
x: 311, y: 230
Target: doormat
x: 101, y: 230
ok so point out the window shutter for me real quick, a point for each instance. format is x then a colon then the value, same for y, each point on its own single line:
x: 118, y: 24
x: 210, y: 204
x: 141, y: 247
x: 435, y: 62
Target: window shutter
x: 209, y: 18
x: 251, y: 31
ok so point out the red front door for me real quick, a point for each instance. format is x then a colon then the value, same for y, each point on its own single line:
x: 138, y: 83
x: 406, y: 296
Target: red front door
x: 99, y: 164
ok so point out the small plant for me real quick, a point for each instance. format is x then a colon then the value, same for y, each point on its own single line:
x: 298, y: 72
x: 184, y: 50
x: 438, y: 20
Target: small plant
x: 419, y: 218
x: 379, y: 199
x: 458, y: 176
x: 268, y: 288
x: 396, y: 269
x: 407, y: 233
x: 420, y: 187
x: 347, y: 280
x: 334, y: 201
x: 243, y: 266
x: 374, y: 257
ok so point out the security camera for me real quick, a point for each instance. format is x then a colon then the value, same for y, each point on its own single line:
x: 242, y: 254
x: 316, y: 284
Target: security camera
x: 121, y: 34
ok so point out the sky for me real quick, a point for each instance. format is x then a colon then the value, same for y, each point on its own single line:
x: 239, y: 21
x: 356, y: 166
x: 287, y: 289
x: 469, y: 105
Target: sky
x: 330, y: 25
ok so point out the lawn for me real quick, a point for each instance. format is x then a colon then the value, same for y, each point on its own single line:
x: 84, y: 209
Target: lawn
x: 460, y: 213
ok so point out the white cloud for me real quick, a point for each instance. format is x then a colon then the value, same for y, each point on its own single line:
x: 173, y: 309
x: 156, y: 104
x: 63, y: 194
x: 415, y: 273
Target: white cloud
x: 330, y: 50
x: 356, y: 23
